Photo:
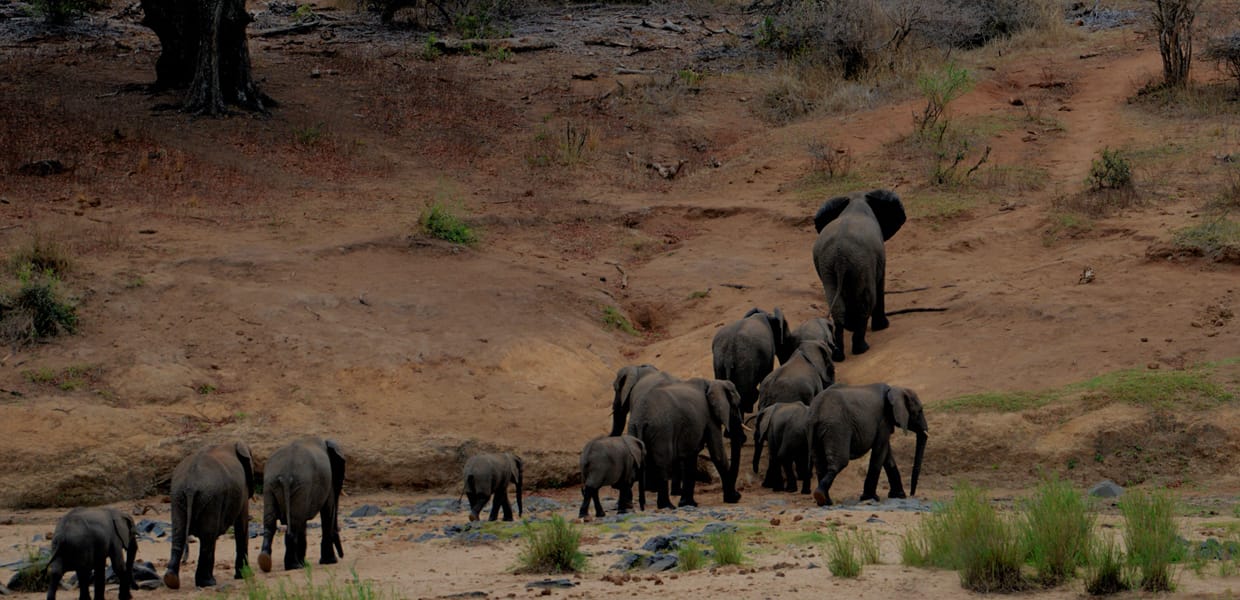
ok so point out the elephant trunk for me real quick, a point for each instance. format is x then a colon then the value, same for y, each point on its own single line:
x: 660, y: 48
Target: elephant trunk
x: 757, y: 450
x: 917, y: 456
x: 520, y: 490
x: 619, y: 415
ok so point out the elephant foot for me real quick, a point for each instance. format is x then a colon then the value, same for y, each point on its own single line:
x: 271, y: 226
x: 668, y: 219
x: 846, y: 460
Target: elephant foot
x: 897, y: 495
x: 264, y: 561
x: 473, y: 517
x: 583, y: 515
x: 821, y: 498
x: 732, y: 497
x: 879, y: 323
x: 859, y: 347
x: 205, y: 582
x: 873, y: 497
x: 666, y: 504
x: 684, y: 503
x: 791, y: 487
x: 328, y: 559
x: 837, y: 355
x: 172, y: 581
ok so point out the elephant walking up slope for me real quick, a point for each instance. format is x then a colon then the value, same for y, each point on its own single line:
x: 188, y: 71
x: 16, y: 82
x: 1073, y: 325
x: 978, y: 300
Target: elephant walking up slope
x: 808, y: 371
x: 744, y: 351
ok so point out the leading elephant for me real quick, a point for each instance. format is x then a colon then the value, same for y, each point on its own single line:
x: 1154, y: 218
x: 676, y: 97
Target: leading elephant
x: 847, y: 421
x: 211, y: 492
x: 851, y: 261
x: 84, y: 540
x: 301, y: 480
x: 675, y: 422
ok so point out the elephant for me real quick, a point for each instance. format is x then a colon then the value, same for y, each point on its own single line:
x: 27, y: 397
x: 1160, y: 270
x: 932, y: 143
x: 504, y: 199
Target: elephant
x: 211, y: 492
x: 819, y: 329
x: 808, y: 371
x: 631, y: 385
x: 848, y: 421
x: 85, y: 538
x: 301, y: 480
x: 487, y: 477
x: 674, y: 422
x: 785, y: 429
x: 615, y: 461
x: 851, y: 261
x: 744, y: 352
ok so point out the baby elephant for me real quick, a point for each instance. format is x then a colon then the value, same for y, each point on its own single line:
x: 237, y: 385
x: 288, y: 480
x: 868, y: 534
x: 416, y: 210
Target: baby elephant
x: 614, y: 461
x: 487, y: 477
x: 302, y: 479
x: 84, y: 539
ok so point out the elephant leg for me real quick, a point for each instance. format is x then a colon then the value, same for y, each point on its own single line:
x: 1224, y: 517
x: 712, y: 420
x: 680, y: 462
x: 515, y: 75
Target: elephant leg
x: 625, y: 504
x: 790, y: 476
x: 772, y: 479
x: 327, y: 551
x: 662, y: 498
x: 241, y: 540
x: 804, y: 474
x: 100, y: 576
x: 859, y: 345
x: 476, y: 503
x: 83, y: 575
x: 269, y: 531
x: 204, y: 575
x: 893, y: 477
x: 688, y: 480
x: 830, y: 457
x: 878, y: 320
x: 124, y: 576
x: 502, y: 496
x: 877, y: 457
x: 676, y: 482
x: 495, y: 504
x: 172, y: 572
x: 585, y: 503
x: 294, y: 544
x: 55, y: 572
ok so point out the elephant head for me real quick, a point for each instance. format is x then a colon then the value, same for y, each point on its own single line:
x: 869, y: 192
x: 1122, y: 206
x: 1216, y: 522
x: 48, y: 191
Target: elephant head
x: 819, y: 355
x: 336, y: 457
x: 785, y: 344
x: 243, y: 455
x: 907, y: 413
x: 518, y: 475
x: 626, y: 380
x: 884, y: 204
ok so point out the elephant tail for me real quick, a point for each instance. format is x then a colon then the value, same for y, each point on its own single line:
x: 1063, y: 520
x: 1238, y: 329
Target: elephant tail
x: 189, y: 517
x: 288, y: 498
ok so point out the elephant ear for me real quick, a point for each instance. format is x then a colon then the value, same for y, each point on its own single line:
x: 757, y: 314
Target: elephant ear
x: 123, y: 526
x: 247, y: 463
x: 784, y: 344
x: 637, y: 450
x: 717, y: 403
x: 830, y: 211
x: 336, y: 457
x: 626, y: 379
x: 754, y: 311
x: 819, y: 355
x: 897, y: 398
x: 888, y: 210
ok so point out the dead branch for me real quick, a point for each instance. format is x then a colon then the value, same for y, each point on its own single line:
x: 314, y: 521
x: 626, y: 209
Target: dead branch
x: 290, y: 30
x: 522, y: 44
x: 738, y: 286
x: 917, y: 289
x: 624, y: 277
x: 915, y: 310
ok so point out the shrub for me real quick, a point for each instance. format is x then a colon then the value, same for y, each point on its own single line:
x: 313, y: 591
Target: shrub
x: 440, y: 221
x: 1173, y: 20
x: 1058, y: 530
x: 867, y: 547
x: 552, y: 547
x: 846, y: 34
x: 1210, y: 237
x: 1225, y: 52
x: 469, y: 18
x: 829, y: 160
x: 967, y: 534
x: 728, y: 548
x: 614, y: 319
x: 1111, y: 171
x: 32, y: 576
x: 59, y: 12
x: 1105, y: 571
x: 940, y: 89
x: 842, y: 555
x: 1150, y: 536
x: 42, y: 254
x: 36, y: 310
x: 689, y: 556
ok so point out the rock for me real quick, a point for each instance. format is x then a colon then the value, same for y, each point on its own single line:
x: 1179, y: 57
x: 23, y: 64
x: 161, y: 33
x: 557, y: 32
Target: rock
x: 256, y: 530
x: 874, y: 519
x: 662, y: 562
x: 366, y: 510
x: 663, y: 542
x: 156, y: 528
x: 477, y: 537
x: 775, y: 521
x: 426, y: 537
x: 42, y: 168
x: 552, y: 583
x: 400, y: 511
x: 145, y: 575
x: 811, y: 566
x: 438, y: 506
x: 541, y: 504
x: 4, y: 591
x: 712, y: 528
x: 1106, y: 489
x: 628, y: 561
x: 1016, y: 102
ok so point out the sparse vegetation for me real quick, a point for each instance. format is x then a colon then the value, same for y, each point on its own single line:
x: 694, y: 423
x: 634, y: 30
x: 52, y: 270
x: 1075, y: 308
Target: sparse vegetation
x: 967, y: 534
x: 1111, y: 171
x: 41, y: 254
x: 352, y: 588
x: 468, y: 18
x: 728, y: 548
x: 1106, y: 571
x: 36, y: 309
x: 939, y: 90
x: 614, y: 319
x: 689, y: 556
x: 842, y: 555
x: 552, y: 547
x: 1150, y: 535
x: 1058, y: 528
x: 1210, y: 237
x: 59, y: 12
x: 440, y: 221
x: 308, y: 135
x: 573, y: 144
x: 829, y: 160
x: 1225, y: 52
x: 32, y: 576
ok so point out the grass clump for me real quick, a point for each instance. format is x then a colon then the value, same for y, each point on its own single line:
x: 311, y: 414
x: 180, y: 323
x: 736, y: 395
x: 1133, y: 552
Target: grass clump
x: 351, y: 588
x: 36, y: 309
x: 1151, y: 537
x: 32, y: 576
x: 689, y: 557
x: 967, y: 534
x: 552, y: 547
x: 1110, y: 171
x: 614, y: 319
x: 1105, y: 571
x: 1210, y: 237
x: 42, y: 254
x: 438, y: 220
x: 940, y: 89
x: 1058, y: 528
x: 728, y: 548
x: 847, y: 553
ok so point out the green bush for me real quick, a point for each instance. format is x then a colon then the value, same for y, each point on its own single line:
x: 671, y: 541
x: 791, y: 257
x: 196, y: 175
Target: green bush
x: 352, y: 588
x: 552, y: 547
x: 728, y: 548
x: 36, y: 309
x: 967, y: 534
x: 1111, y: 171
x: 614, y: 319
x: 440, y: 221
x: 1210, y: 237
x: 842, y: 555
x: 1105, y: 571
x: 689, y: 556
x: 59, y: 12
x: 1058, y: 531
x: 1150, y: 535
x: 32, y: 576
x: 939, y: 90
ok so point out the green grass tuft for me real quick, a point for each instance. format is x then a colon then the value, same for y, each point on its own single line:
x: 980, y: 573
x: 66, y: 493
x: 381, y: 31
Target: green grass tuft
x: 689, y: 556
x: 614, y: 319
x: 728, y: 547
x: 1106, y: 572
x: 1209, y: 237
x: 1150, y: 535
x: 843, y: 554
x: 352, y: 588
x: 552, y: 547
x: 1058, y: 528
x: 440, y: 221
x: 36, y: 309
x: 967, y: 534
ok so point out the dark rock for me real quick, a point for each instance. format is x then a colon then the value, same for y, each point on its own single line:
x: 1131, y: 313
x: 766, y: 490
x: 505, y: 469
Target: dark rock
x: 400, y: 511
x: 620, y: 536
x: 366, y: 510
x: 630, y: 560
x: 811, y: 566
x: 144, y: 570
x: 551, y: 583
x: 256, y: 529
x: 42, y: 168
x: 874, y: 519
x: 540, y: 504
x: 426, y: 537
x: 659, y: 543
x: 155, y: 528
x: 474, y: 594
x: 438, y: 506
x: 38, y: 537
x: 477, y: 537
x: 453, y: 530
x: 1106, y: 489
x: 661, y: 562
x: 713, y: 528
x: 4, y: 591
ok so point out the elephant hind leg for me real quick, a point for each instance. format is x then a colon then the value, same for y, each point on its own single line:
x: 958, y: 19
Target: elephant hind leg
x: 790, y: 477
x: 83, y: 575
x: 585, y: 503
x: 893, y: 477
x: 502, y: 498
x: 688, y: 480
x: 477, y: 502
x: 55, y: 572
x: 327, y: 548
x: 204, y: 573
x: 123, y: 575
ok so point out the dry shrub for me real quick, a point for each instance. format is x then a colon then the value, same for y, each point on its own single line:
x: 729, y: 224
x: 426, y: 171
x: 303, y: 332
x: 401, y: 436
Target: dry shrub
x: 829, y: 160
x: 1225, y: 52
x: 1100, y: 203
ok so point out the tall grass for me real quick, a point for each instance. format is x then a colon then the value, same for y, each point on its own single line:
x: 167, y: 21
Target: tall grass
x: 552, y: 547
x: 689, y: 556
x: 1106, y: 571
x: 1058, y: 529
x: 438, y: 220
x: 841, y: 553
x: 1150, y: 535
x: 728, y: 548
x: 352, y: 588
x: 967, y: 534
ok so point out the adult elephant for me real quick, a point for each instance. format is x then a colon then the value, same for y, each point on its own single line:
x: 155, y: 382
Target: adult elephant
x: 301, y: 480
x: 674, y: 422
x: 744, y: 351
x: 818, y: 329
x: 848, y: 421
x: 784, y: 428
x: 631, y: 385
x: 806, y: 373
x: 211, y: 492
x: 852, y: 262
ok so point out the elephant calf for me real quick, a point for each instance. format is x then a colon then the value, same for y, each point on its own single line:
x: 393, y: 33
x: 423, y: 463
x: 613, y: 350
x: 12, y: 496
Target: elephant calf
x: 614, y: 461
x: 84, y: 540
x: 301, y: 480
x: 808, y: 371
x: 487, y: 477
x: 784, y: 428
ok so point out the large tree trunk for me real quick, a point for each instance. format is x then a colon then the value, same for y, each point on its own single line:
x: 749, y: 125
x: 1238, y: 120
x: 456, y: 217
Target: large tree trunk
x: 204, y: 50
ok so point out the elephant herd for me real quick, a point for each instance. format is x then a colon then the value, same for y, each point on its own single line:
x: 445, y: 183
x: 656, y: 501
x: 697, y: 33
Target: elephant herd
x: 211, y: 492
x: 801, y: 414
